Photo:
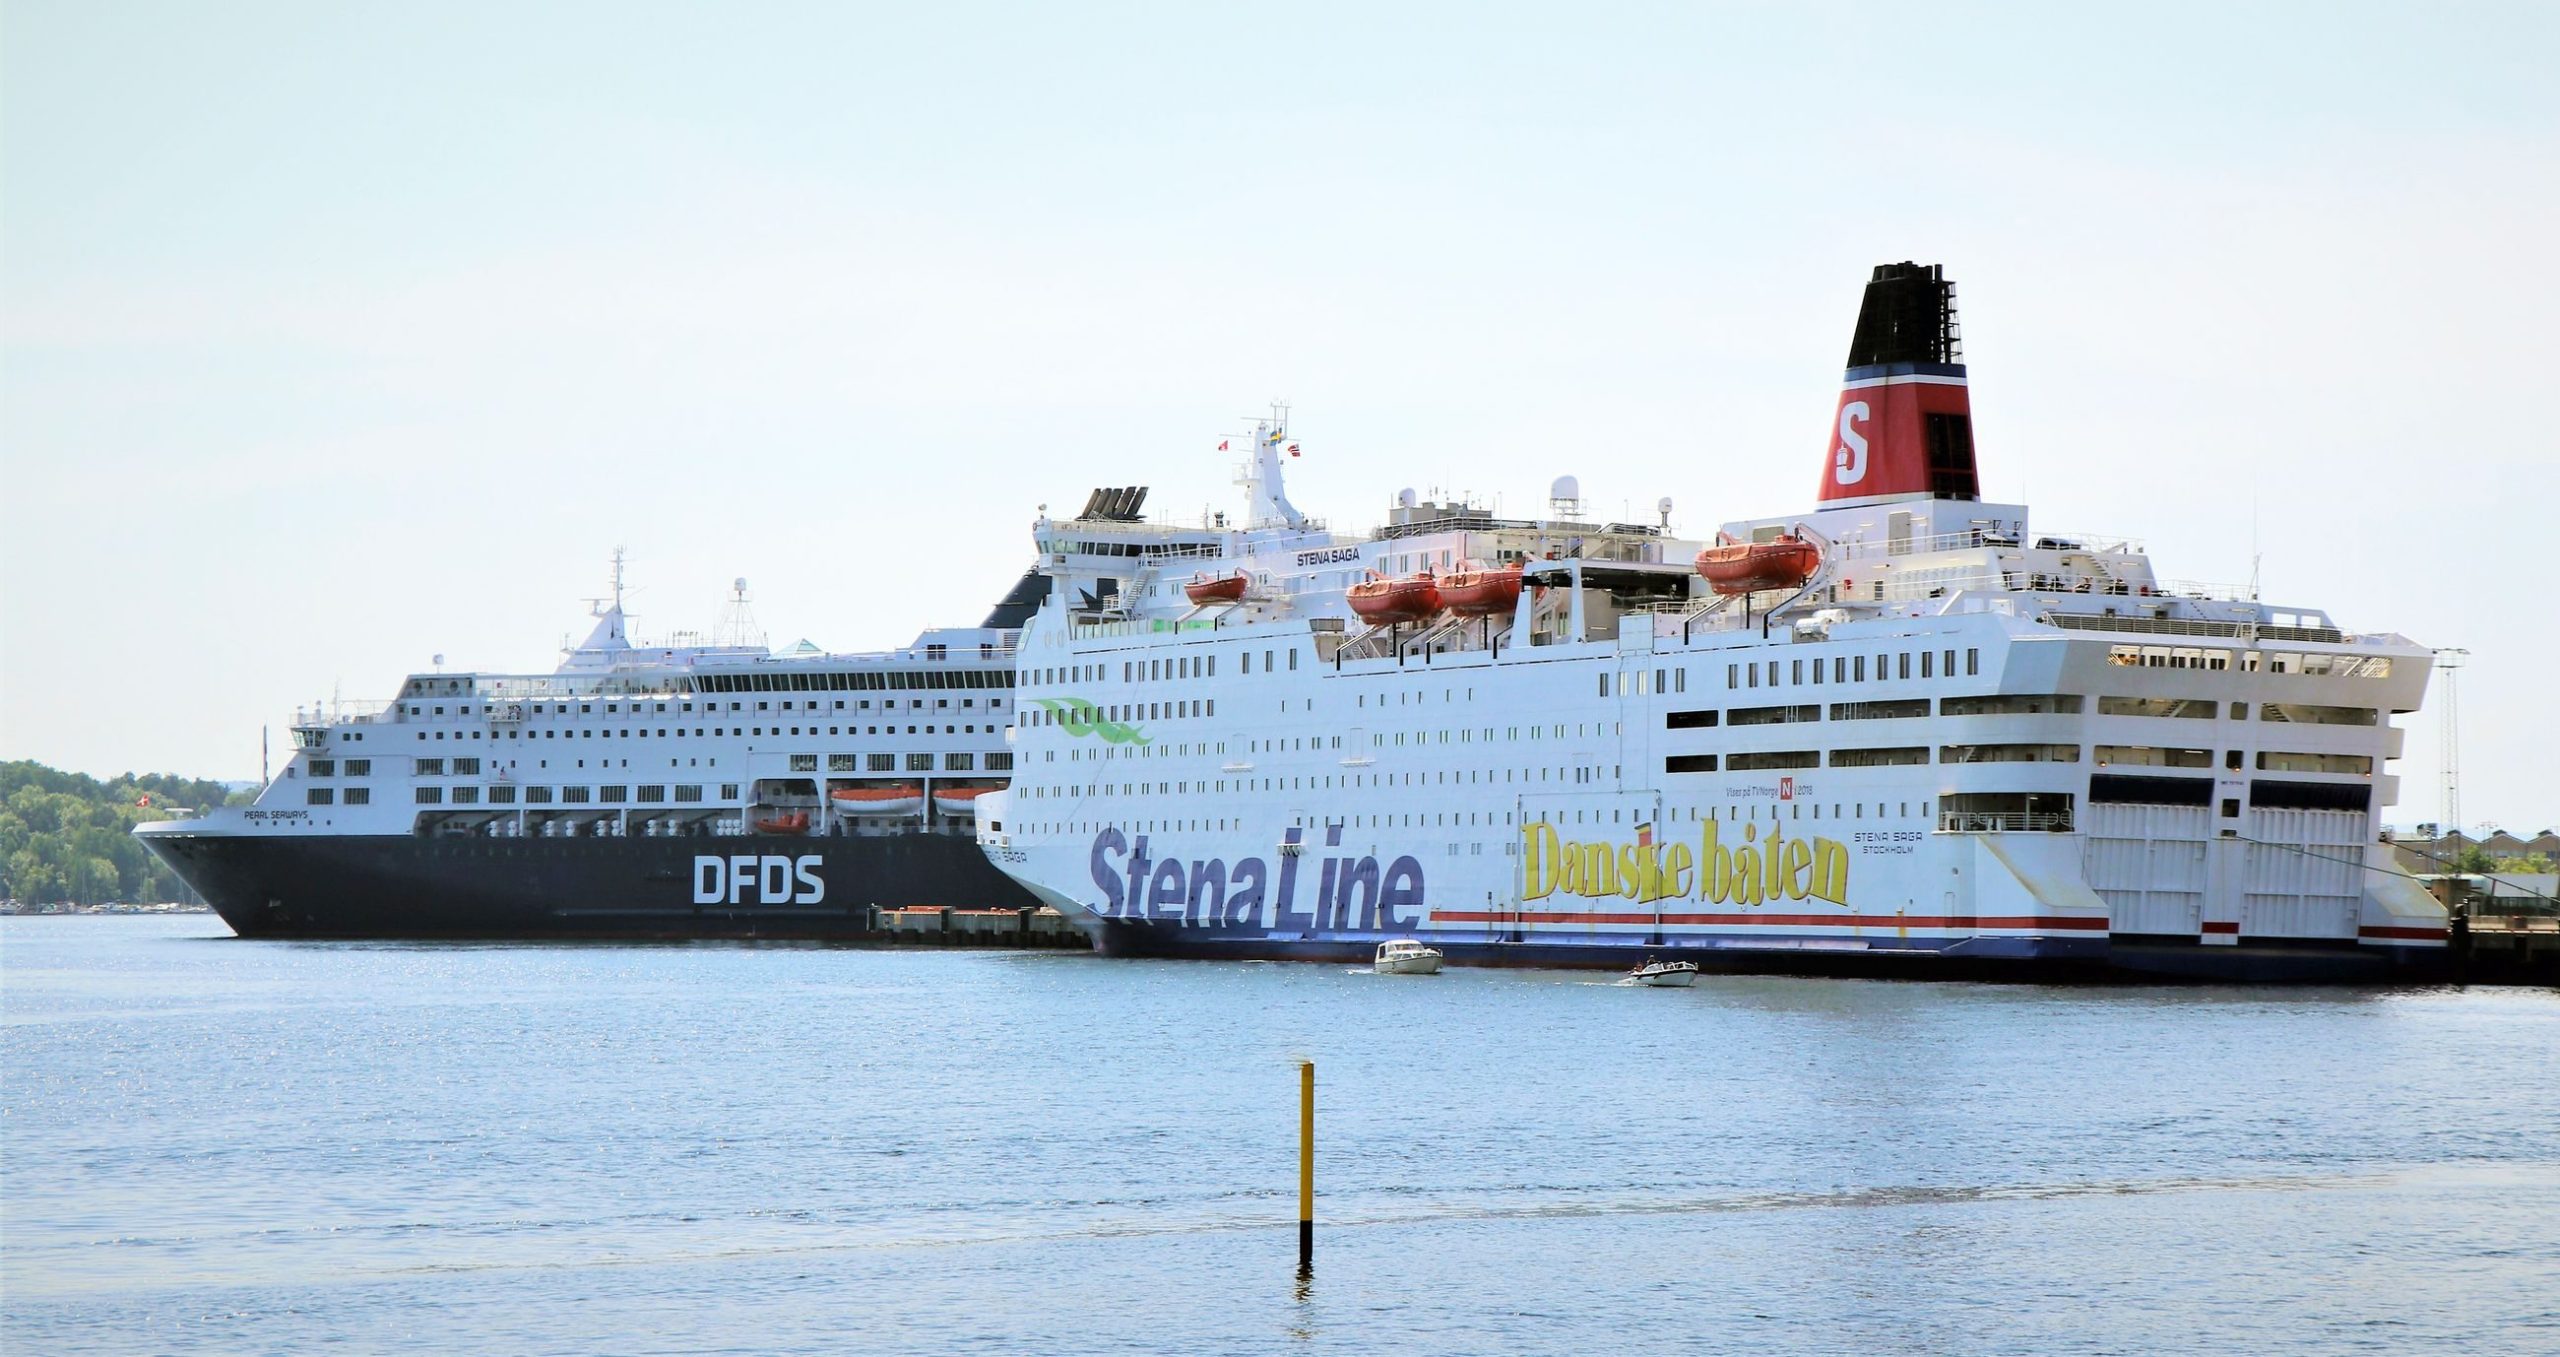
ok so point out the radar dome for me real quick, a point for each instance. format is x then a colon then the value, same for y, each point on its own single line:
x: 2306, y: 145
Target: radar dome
x: 1566, y: 487
x: 1405, y: 498
x: 1662, y: 505
x: 739, y: 584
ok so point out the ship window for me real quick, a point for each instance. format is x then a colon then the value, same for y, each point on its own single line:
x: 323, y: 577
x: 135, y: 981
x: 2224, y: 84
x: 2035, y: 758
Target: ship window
x: 1904, y: 668
x: 466, y: 767
x: 1859, y: 669
x: 688, y: 795
x: 1817, y: 671
x: 359, y: 796
x: 1947, y: 663
x: 502, y: 796
x: 573, y: 795
x: 430, y: 796
x: 804, y: 763
x: 2231, y: 808
x: 653, y: 794
x: 430, y: 767
x: 1795, y: 672
x: 1604, y: 685
x: 359, y: 767
x: 320, y: 796
x: 728, y: 791
x: 1689, y: 763
x: 1972, y: 662
x: 920, y: 763
x: 1752, y: 672
x: 1924, y: 664
x: 537, y: 796
x: 465, y: 796
x: 959, y: 763
x: 324, y: 767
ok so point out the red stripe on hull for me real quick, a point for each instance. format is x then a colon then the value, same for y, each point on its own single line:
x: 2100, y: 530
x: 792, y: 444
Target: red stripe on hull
x: 2051, y: 922
x: 2411, y: 934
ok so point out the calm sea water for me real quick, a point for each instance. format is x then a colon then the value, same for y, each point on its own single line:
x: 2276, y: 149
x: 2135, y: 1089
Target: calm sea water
x: 222, y: 1146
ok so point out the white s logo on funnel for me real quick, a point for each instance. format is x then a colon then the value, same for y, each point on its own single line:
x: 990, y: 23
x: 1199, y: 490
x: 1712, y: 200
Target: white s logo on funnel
x: 1849, y: 462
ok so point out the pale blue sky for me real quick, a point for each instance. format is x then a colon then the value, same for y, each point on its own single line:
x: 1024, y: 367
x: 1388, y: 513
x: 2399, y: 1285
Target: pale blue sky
x: 337, y: 336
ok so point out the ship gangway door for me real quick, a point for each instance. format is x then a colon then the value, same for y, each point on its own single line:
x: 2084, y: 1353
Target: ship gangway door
x: 1585, y: 870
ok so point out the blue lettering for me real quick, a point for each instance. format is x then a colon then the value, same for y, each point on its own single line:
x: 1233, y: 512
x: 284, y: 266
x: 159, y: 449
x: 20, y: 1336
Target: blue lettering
x: 1244, y: 903
x: 1164, y: 898
x: 1364, y: 874
x: 1403, y: 890
x: 1139, y: 866
x: 1285, y: 918
x: 1107, y: 845
x: 1205, y: 877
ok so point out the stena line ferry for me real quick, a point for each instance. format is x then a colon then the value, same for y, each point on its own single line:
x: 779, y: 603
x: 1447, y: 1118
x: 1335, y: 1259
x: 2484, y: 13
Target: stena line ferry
x: 1901, y: 731
x: 707, y: 787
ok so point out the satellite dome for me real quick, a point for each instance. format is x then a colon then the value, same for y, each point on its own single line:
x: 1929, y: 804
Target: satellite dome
x: 1405, y: 498
x: 739, y: 584
x: 1566, y: 487
x: 1662, y: 505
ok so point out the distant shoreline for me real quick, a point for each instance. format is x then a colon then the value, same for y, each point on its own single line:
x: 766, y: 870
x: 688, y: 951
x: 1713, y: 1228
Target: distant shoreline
x: 30, y: 908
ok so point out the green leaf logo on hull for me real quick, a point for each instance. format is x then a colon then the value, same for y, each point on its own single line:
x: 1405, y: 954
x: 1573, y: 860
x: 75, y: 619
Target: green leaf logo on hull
x: 1080, y: 718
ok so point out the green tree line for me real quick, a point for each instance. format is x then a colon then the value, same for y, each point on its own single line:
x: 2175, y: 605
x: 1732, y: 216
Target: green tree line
x: 67, y: 838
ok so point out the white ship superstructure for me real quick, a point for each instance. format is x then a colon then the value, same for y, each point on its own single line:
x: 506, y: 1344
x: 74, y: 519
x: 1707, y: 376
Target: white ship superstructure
x: 1903, y: 725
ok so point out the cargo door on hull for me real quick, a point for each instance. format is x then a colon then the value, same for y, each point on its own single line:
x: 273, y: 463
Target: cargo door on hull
x: 1586, y: 865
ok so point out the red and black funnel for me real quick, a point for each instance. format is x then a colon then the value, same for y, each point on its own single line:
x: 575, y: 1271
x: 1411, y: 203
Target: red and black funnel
x: 1904, y: 429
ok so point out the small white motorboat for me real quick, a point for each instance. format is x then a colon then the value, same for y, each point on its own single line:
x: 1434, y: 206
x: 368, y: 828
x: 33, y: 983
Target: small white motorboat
x: 1669, y: 974
x: 1404, y: 956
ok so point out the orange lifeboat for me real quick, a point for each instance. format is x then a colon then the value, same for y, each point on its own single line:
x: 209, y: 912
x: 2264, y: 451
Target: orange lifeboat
x: 1748, y: 567
x: 958, y: 800
x: 1205, y: 589
x: 906, y: 800
x: 1381, y: 601
x: 1475, y: 590
x: 795, y: 822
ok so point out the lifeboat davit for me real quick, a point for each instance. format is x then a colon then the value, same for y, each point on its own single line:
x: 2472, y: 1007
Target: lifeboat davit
x: 958, y: 800
x: 1749, y: 567
x: 1474, y: 590
x: 1207, y: 589
x: 1381, y: 601
x: 877, y: 800
x: 794, y: 822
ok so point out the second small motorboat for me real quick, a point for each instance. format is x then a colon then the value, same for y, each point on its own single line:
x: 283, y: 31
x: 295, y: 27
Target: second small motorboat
x: 1406, y: 957
x: 1667, y: 974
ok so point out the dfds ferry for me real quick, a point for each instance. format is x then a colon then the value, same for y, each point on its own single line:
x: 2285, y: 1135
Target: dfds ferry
x: 1902, y: 730
x: 704, y: 788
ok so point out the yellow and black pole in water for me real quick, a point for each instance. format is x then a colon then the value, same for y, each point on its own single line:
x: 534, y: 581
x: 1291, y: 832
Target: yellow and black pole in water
x: 1306, y: 1164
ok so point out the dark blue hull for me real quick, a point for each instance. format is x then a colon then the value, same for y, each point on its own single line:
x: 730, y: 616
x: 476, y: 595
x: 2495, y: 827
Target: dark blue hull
x: 346, y: 886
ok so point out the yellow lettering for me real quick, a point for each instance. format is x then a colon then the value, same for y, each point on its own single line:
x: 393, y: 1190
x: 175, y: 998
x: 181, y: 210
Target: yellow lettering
x: 1633, y: 878
x: 1830, y: 871
x: 1746, y: 875
x: 1715, y: 865
x: 1544, y: 865
x: 1599, y: 871
x: 1799, y: 866
x: 1675, y: 871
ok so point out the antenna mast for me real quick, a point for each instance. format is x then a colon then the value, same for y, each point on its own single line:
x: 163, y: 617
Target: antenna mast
x: 2449, y: 663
